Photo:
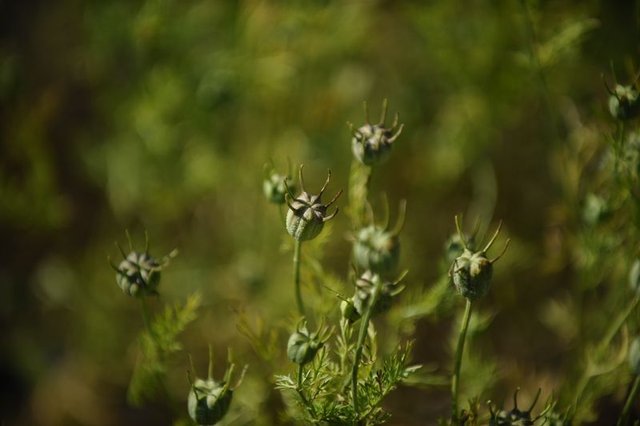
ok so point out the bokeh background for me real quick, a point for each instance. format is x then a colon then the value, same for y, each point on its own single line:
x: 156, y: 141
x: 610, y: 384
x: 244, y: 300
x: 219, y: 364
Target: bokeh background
x: 159, y: 115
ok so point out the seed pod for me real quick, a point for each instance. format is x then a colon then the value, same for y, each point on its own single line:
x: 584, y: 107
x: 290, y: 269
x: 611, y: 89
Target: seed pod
x: 138, y: 274
x: 472, y: 271
x: 349, y: 311
x: 370, y: 282
x: 624, y: 102
x: 209, y: 400
x: 307, y: 215
x: 376, y: 248
x: 634, y: 276
x: 454, y: 247
x: 515, y: 417
x: 595, y: 210
x: 371, y: 143
x: 274, y: 186
x: 634, y: 356
x: 303, y: 345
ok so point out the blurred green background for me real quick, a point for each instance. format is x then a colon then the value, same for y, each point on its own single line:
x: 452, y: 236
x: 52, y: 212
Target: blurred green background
x: 159, y: 115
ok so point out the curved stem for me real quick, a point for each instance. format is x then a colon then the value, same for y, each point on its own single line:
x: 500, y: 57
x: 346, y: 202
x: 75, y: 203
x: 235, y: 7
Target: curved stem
x: 362, y: 334
x: 631, y: 399
x: 296, y: 276
x: 455, y: 379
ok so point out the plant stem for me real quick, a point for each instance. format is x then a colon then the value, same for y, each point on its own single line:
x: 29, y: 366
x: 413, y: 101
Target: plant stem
x: 631, y: 399
x: 145, y: 315
x: 362, y: 334
x: 458, y: 362
x: 296, y: 276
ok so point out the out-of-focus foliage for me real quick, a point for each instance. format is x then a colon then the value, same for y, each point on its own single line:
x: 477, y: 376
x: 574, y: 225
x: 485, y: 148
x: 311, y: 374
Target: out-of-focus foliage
x: 160, y: 115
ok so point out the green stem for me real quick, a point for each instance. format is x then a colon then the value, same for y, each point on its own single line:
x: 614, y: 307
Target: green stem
x: 362, y: 334
x: 296, y: 276
x: 304, y: 399
x: 145, y: 315
x: 631, y: 399
x: 455, y: 380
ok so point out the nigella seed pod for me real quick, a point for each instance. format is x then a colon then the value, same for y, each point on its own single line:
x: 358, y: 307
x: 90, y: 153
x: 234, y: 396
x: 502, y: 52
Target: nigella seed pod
x: 472, y: 270
x: 274, y: 186
x: 349, y: 311
x: 624, y: 102
x: 634, y: 356
x: 515, y: 417
x: 138, y: 274
x: 377, y: 248
x: 209, y: 400
x: 303, y: 345
x: 307, y: 215
x: 371, y: 143
x: 370, y: 287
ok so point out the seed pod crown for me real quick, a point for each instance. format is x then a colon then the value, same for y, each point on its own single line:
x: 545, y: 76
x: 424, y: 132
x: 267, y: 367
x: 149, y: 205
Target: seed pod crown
x: 303, y: 344
x: 209, y: 400
x: 138, y: 274
x: 307, y: 215
x: 371, y: 143
x: 472, y: 270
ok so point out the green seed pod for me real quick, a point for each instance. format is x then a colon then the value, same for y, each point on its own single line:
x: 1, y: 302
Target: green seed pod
x: 307, y: 215
x: 376, y: 248
x: 349, y: 311
x: 209, y: 400
x: 634, y: 276
x: 370, y: 282
x: 515, y: 417
x: 138, y: 274
x: 371, y: 143
x: 634, y: 356
x: 303, y: 345
x: 595, y: 210
x: 274, y: 186
x: 472, y: 271
x: 624, y: 102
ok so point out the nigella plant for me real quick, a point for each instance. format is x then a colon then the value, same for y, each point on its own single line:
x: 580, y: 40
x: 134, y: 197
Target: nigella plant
x: 624, y: 101
x: 371, y: 143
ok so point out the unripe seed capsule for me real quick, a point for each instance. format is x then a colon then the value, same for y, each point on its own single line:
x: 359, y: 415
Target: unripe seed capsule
x: 303, y: 345
x: 371, y: 143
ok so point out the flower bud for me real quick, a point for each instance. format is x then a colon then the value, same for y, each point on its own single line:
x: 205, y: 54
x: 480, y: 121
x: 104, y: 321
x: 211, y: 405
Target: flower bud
x: 307, y: 215
x: 376, y: 248
x: 274, y: 186
x: 634, y: 356
x: 209, y: 400
x: 303, y: 345
x: 138, y: 274
x: 371, y: 287
x: 624, y: 102
x: 371, y: 143
x: 349, y: 311
x: 472, y: 271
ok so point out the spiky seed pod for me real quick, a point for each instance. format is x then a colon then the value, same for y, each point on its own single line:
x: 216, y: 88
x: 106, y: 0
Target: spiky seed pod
x: 634, y: 276
x: 472, y: 270
x: 307, y: 215
x: 274, y: 186
x: 138, y: 274
x: 634, y: 356
x: 370, y: 282
x: 209, y: 400
x: 515, y: 417
x: 624, y: 102
x: 377, y: 248
x: 303, y: 345
x: 349, y: 311
x: 371, y: 143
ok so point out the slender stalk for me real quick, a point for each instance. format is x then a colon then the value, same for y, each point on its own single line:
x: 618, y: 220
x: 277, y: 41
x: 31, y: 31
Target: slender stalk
x: 362, y: 334
x: 304, y: 399
x: 145, y: 315
x: 455, y: 379
x: 296, y: 276
x: 631, y: 399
